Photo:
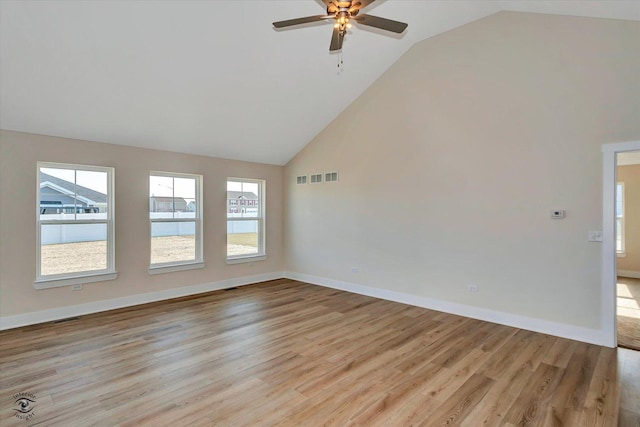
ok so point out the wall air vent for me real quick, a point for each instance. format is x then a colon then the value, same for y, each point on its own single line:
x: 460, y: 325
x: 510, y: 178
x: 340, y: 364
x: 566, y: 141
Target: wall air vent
x: 316, y: 178
x: 301, y: 179
x: 331, y: 176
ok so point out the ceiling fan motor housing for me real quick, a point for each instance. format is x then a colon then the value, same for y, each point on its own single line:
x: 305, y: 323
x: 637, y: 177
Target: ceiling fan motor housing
x: 351, y: 7
x: 342, y: 12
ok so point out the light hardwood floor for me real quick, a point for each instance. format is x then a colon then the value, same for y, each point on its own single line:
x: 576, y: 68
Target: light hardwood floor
x: 293, y: 354
x: 628, y: 312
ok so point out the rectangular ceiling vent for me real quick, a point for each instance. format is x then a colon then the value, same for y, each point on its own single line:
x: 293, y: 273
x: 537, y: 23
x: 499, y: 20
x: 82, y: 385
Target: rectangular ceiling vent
x: 331, y: 176
x: 301, y: 179
x: 316, y: 178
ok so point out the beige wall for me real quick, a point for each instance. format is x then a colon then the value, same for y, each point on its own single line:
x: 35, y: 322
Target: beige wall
x: 630, y: 175
x: 451, y: 162
x: 19, y: 153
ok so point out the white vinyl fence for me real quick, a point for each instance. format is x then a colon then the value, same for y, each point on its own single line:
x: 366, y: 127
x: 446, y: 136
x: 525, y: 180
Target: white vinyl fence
x: 70, y: 233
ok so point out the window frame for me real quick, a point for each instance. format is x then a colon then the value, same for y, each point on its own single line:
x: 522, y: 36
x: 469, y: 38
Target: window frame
x: 619, y: 221
x: 261, y: 218
x: 198, y: 262
x: 82, y: 277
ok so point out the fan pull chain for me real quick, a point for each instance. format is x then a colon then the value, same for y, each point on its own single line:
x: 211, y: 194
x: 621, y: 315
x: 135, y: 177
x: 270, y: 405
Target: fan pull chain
x: 340, y: 63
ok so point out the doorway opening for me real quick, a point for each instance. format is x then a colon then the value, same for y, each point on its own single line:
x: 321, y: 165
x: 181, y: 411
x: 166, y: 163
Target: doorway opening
x: 627, y: 246
x: 610, y: 241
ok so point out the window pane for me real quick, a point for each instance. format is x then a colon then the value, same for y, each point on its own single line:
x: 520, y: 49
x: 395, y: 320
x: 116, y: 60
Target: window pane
x: 242, y: 238
x: 65, y: 174
x: 72, y: 248
x: 91, y: 195
x: 161, y: 203
x: 619, y: 202
x: 69, y: 194
x: 185, y: 197
x: 243, y: 199
x: 173, y: 242
x: 57, y: 193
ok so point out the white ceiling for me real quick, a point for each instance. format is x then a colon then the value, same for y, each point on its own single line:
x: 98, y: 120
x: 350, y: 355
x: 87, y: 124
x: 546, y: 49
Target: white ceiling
x: 209, y: 77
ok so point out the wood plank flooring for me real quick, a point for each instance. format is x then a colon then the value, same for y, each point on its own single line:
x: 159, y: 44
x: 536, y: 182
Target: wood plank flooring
x: 628, y: 303
x: 285, y: 353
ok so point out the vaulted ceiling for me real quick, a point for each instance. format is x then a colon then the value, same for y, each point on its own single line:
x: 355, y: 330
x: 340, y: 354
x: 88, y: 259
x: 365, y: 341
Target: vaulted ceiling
x: 210, y: 77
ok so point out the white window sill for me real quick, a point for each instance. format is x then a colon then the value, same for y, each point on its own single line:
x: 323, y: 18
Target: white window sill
x: 160, y: 269
x: 621, y: 254
x: 79, y: 280
x: 244, y: 259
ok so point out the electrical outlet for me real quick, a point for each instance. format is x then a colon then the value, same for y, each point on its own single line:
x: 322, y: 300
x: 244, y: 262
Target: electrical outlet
x: 76, y: 287
x: 473, y: 288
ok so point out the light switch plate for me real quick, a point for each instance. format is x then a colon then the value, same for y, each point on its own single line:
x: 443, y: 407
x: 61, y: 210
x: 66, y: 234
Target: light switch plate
x: 595, y: 236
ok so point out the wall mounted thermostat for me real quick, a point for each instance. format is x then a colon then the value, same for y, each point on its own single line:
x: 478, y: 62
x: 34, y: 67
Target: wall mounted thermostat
x: 557, y: 214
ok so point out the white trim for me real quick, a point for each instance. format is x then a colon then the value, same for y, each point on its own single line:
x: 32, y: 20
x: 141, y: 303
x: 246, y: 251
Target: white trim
x: 621, y: 147
x: 609, y: 276
x: 65, y: 280
x: 162, y: 268
x: 593, y: 336
x: 608, y: 271
x: 9, y: 322
x: 629, y: 273
x: 247, y: 258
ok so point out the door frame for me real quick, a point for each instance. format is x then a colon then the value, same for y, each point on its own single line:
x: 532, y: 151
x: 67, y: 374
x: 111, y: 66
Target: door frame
x: 609, y: 270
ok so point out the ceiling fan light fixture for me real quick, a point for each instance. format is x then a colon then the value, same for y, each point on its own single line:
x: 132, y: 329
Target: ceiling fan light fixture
x: 342, y: 12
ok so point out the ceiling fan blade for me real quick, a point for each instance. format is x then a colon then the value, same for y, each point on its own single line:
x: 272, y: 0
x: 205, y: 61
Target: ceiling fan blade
x: 298, y: 21
x: 336, y: 40
x: 382, y: 23
x: 359, y: 4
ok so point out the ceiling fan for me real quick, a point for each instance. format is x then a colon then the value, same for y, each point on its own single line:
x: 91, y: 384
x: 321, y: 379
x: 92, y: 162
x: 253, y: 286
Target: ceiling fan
x: 343, y: 12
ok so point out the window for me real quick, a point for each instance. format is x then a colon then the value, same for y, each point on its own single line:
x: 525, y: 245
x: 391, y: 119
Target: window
x: 245, y: 224
x: 175, y: 216
x: 620, y: 218
x: 75, y: 225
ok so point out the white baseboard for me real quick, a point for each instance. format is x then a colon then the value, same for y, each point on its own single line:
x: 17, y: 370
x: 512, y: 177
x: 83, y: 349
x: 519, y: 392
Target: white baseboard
x: 10, y: 322
x: 629, y: 273
x: 592, y: 336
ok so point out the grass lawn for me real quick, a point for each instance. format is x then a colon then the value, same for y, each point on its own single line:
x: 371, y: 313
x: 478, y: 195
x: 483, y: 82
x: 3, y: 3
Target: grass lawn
x: 242, y: 244
x: 244, y: 239
x: 73, y: 257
